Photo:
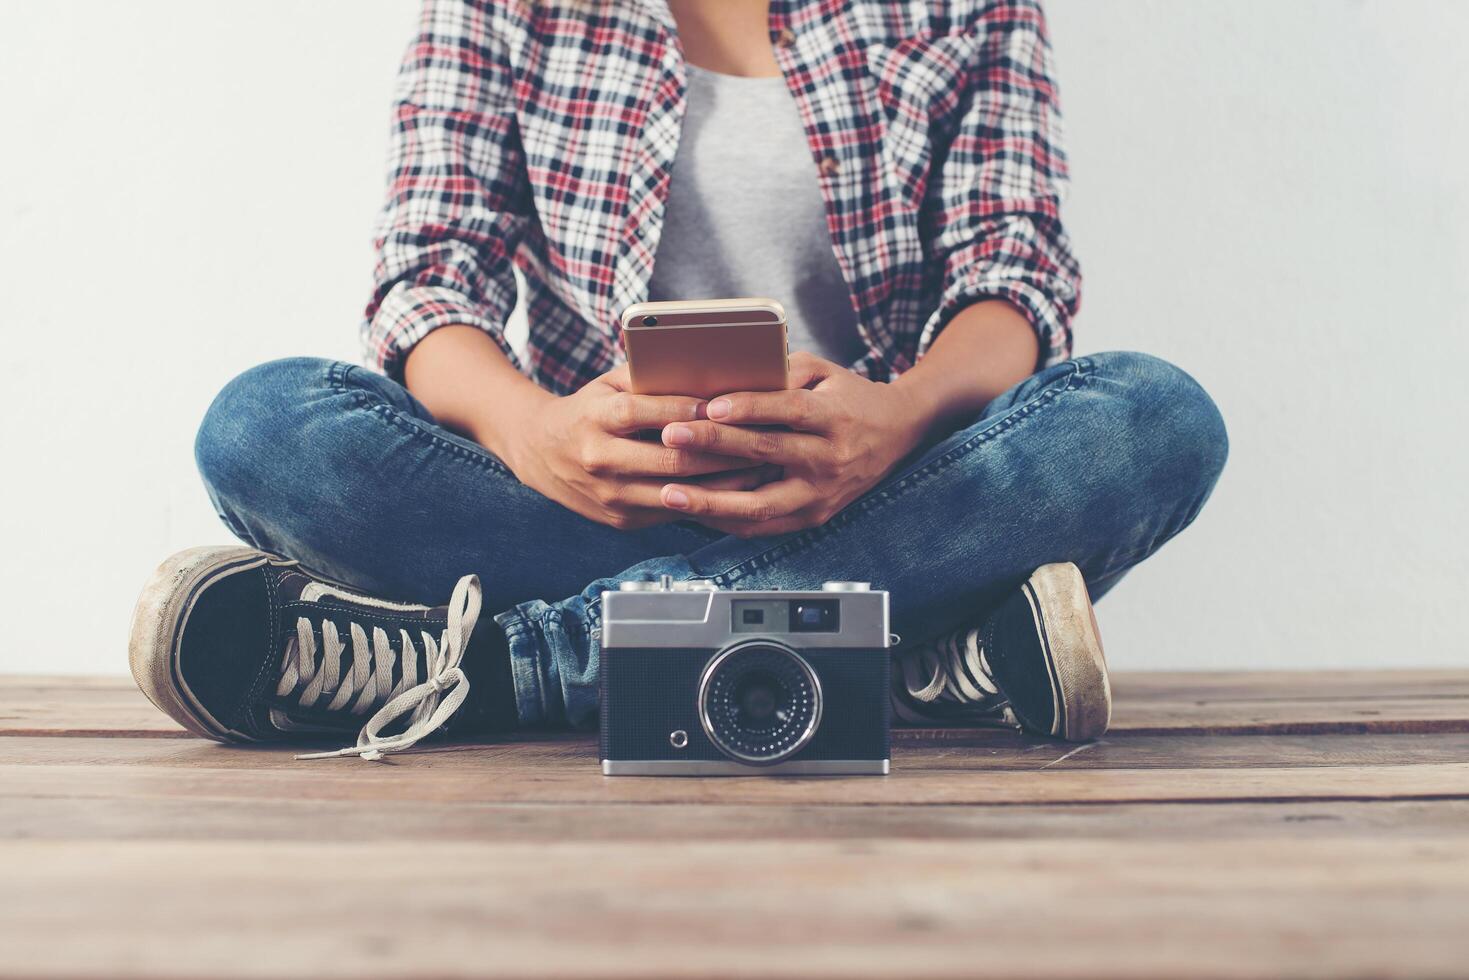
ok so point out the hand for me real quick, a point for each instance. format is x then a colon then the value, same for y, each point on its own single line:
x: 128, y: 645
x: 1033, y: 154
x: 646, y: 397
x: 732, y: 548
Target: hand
x: 846, y: 434
x: 581, y: 451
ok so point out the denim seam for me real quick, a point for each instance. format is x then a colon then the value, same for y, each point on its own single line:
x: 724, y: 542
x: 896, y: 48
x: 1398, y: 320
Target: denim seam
x: 416, y: 427
x: 419, y: 429
x: 520, y: 633
x: 547, y: 626
x: 562, y: 633
x: 1081, y: 369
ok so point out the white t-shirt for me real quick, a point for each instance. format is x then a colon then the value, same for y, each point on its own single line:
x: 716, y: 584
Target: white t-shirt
x: 745, y: 216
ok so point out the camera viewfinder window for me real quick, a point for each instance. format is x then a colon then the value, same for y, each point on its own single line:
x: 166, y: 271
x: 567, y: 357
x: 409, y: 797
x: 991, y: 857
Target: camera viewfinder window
x: 758, y: 616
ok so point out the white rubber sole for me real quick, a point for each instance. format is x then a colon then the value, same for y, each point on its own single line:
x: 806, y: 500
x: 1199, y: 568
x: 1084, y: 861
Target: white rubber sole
x: 158, y: 625
x: 1068, y: 633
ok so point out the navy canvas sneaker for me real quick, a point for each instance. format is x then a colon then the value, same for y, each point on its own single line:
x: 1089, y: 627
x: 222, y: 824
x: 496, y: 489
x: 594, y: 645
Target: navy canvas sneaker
x: 239, y: 645
x: 1036, y: 663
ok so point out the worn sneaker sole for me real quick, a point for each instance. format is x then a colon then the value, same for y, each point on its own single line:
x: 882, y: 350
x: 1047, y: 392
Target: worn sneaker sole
x: 158, y: 625
x: 1068, y: 633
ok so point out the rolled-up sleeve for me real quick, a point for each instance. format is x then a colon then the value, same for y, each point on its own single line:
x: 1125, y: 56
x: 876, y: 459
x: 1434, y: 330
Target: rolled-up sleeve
x: 458, y: 199
x: 995, y: 206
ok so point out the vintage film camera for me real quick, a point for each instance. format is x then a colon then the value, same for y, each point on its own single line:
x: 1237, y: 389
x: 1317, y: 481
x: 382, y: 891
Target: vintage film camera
x: 699, y: 681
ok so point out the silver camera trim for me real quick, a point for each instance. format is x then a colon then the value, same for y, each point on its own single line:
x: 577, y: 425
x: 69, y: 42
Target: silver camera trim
x: 707, y: 676
x: 727, y: 767
x: 655, y: 615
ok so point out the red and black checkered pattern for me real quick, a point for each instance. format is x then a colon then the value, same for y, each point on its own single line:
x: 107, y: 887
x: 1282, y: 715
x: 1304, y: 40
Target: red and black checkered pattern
x: 543, y: 134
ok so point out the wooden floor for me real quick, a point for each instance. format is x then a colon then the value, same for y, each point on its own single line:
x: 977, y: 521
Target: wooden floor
x: 1230, y: 824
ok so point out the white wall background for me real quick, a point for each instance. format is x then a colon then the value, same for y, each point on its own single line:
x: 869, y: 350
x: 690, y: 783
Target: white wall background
x: 1274, y: 195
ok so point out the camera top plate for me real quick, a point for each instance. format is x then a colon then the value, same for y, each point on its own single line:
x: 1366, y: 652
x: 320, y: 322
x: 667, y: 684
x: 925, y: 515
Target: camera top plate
x: 664, y: 614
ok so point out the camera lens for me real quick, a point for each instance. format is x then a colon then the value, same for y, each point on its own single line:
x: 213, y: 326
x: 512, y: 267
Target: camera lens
x: 650, y: 321
x: 759, y: 702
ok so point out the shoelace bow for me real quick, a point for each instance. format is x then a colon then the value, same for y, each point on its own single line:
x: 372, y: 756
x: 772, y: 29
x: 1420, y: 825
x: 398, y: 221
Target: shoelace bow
x: 432, y: 702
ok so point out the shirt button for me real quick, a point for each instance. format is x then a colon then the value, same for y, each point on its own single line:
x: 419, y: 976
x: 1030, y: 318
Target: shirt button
x: 829, y: 166
x: 785, y: 37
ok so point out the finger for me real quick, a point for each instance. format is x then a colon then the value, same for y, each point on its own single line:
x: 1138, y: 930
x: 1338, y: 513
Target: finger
x: 622, y: 517
x: 765, y: 529
x: 774, y: 500
x: 806, y: 369
x: 625, y: 504
x: 796, y: 408
x: 746, y: 443
x: 625, y: 413
x: 630, y: 496
x: 634, y: 504
x: 747, y: 479
x: 619, y: 377
x: 632, y: 457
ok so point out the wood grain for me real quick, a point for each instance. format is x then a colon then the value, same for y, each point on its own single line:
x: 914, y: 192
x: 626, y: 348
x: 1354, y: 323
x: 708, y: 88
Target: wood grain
x: 792, y: 908
x: 57, y: 816
x: 80, y: 705
x: 369, y: 783
x: 977, y: 750
x: 1289, y: 685
x: 1282, y: 702
x: 1235, y: 825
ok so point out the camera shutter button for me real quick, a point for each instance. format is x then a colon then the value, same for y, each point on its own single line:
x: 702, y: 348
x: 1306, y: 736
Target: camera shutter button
x: 846, y: 586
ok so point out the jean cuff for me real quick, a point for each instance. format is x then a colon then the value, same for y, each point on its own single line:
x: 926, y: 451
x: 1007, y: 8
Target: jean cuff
x: 532, y: 668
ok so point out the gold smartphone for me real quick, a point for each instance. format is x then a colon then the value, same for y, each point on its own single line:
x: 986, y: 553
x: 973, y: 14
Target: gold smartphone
x: 708, y: 347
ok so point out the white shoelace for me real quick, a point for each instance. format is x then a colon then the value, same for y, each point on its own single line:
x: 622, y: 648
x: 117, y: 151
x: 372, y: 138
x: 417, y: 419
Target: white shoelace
x: 951, y: 669
x: 432, y: 702
x: 954, y: 663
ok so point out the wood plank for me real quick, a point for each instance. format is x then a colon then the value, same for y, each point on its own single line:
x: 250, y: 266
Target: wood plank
x: 80, y: 705
x: 912, y: 908
x: 954, y: 749
x: 1289, y: 685
x: 979, y: 749
x: 1282, y: 702
x: 410, y: 779
x: 1153, y: 852
x: 1292, y: 701
x: 1297, y: 717
x: 1192, y: 711
x: 129, y: 818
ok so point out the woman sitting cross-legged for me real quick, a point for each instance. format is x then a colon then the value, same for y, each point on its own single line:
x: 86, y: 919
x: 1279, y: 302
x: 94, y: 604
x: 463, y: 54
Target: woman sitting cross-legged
x: 892, y: 172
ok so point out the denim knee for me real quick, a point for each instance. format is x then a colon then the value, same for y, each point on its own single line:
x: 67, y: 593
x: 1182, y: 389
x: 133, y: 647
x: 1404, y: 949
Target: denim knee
x: 1175, y: 433
x: 254, y: 415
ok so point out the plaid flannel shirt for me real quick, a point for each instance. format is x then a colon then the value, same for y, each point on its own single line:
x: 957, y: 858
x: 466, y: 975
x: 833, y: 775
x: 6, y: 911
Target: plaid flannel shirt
x: 542, y: 135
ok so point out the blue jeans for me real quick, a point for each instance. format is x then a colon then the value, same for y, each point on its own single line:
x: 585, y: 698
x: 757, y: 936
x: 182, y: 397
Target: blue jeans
x: 1096, y: 461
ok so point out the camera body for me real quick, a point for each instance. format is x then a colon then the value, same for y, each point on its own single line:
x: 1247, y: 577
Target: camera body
x: 700, y: 681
